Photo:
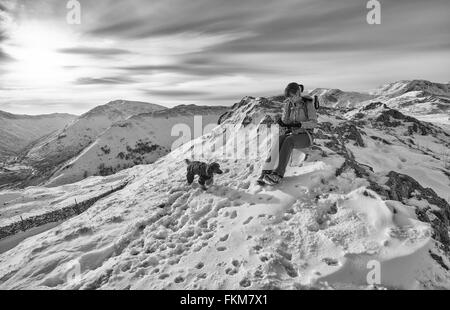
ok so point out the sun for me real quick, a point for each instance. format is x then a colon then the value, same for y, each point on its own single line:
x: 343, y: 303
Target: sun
x: 35, y: 46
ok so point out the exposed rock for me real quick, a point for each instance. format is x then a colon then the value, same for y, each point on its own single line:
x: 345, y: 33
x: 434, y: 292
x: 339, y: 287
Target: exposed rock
x: 402, y: 187
x: 372, y: 106
x: 349, y: 131
x: 417, y: 126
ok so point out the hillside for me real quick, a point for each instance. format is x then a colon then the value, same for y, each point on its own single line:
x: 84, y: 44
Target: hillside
x: 336, y: 98
x: 140, y: 139
x: 18, y: 131
x: 38, y: 161
x: 418, y: 97
x: 373, y: 191
x: 68, y: 142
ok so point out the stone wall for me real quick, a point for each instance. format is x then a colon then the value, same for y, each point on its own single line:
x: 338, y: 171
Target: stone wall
x: 54, y: 216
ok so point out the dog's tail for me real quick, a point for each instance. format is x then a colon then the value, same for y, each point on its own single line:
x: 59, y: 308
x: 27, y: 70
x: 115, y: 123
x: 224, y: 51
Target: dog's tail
x: 187, y: 161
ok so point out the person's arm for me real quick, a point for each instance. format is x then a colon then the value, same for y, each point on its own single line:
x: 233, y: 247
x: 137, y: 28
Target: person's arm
x: 285, y: 117
x: 312, y: 116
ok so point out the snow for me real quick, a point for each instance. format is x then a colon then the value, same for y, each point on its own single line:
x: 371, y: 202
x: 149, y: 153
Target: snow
x: 124, y: 137
x: 39, y: 200
x: 315, y: 230
x: 399, y: 157
x: 18, y: 131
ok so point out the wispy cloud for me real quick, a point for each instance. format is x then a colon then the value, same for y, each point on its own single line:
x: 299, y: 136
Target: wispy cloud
x: 96, y: 51
x: 214, y: 51
x: 171, y: 93
x: 104, y: 80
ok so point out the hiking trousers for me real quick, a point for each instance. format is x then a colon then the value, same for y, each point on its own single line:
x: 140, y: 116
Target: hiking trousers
x: 279, y: 159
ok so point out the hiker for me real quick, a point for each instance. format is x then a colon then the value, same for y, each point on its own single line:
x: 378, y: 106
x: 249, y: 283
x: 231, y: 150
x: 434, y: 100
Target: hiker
x: 297, y: 123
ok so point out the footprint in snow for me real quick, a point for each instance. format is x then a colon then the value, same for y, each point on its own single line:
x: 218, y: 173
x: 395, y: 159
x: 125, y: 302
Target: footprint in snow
x: 245, y: 282
x: 231, y: 271
x: 163, y: 276
x: 330, y: 261
x: 248, y: 220
x: 224, y: 238
x: 179, y: 279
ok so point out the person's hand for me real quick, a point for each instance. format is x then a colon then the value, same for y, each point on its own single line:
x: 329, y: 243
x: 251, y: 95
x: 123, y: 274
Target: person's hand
x: 281, y: 123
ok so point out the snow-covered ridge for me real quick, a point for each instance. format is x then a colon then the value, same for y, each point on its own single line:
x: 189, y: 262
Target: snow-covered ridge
x: 418, y: 97
x: 339, y: 99
x: 46, y: 155
x: 368, y: 194
x: 4, y: 114
x: 18, y: 131
x: 122, y: 109
x: 401, y: 87
x: 140, y: 139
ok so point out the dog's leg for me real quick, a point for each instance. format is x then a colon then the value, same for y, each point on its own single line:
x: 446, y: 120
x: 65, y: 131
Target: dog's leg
x: 210, y: 181
x: 190, y: 178
x: 202, y: 182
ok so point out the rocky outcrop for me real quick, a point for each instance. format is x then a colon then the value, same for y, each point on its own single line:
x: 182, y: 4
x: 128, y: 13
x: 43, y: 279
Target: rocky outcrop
x: 394, y: 118
x: 349, y: 131
x: 402, y: 187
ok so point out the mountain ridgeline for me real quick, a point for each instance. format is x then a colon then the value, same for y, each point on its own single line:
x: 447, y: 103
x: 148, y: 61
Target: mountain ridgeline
x: 372, y: 192
x: 60, y: 149
x: 104, y: 140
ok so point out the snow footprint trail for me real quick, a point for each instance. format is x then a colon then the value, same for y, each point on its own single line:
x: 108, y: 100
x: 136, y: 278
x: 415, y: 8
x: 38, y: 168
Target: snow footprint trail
x: 194, y: 231
x: 233, y: 225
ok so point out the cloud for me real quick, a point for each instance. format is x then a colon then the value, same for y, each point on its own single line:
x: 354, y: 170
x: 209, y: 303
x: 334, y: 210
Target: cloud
x: 216, y: 51
x: 200, y: 65
x: 175, y: 93
x: 208, y: 70
x: 94, y: 51
x: 4, y: 57
x: 104, y: 80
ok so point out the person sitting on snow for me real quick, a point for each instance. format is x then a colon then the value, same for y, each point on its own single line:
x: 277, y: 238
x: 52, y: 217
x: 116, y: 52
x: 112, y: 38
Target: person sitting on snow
x: 297, y: 123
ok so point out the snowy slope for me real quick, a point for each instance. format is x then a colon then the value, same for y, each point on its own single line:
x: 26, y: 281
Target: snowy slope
x: 17, y: 131
x: 140, y: 139
x: 416, y: 96
x: 337, y: 98
x: 404, y: 86
x: 46, y: 155
x: 71, y: 140
x: 330, y: 221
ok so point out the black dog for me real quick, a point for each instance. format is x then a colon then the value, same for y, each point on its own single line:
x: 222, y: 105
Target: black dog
x: 203, y: 170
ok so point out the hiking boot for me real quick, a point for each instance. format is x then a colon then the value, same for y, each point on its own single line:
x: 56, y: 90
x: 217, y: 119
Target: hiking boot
x: 272, y: 179
x: 261, y: 177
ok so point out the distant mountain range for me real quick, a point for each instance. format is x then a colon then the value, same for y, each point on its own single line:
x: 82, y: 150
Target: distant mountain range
x: 106, y: 139
x: 411, y: 96
x: 18, y: 131
x: 60, y: 148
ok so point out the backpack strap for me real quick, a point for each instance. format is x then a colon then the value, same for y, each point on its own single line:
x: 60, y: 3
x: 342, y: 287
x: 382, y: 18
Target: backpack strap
x: 305, y: 108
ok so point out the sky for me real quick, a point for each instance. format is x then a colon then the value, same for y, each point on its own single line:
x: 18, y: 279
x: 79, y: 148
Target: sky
x: 210, y: 52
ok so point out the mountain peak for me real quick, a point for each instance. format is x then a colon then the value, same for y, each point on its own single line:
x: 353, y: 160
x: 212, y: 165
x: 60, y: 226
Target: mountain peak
x: 123, y: 107
x: 404, y: 86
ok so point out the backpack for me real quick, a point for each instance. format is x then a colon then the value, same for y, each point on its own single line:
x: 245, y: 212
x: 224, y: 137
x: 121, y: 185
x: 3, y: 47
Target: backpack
x: 316, y: 105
